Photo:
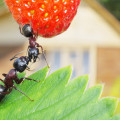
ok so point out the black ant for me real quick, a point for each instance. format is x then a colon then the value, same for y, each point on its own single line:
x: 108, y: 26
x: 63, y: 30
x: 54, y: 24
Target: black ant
x: 33, y: 50
x: 20, y: 64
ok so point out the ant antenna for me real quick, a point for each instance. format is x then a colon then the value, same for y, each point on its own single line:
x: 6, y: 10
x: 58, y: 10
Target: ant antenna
x: 45, y: 59
x: 27, y: 66
x: 22, y: 93
x: 16, y: 55
x: 44, y: 56
x: 38, y: 58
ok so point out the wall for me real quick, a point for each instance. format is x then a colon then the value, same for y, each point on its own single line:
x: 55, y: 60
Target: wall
x: 108, y: 66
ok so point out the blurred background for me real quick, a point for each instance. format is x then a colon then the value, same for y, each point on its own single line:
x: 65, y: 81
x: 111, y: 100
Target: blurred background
x: 91, y: 44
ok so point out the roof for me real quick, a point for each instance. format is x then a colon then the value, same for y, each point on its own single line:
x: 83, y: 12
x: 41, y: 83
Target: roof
x: 105, y: 14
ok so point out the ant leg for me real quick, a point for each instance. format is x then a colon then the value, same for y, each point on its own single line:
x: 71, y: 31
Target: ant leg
x: 29, y: 69
x: 37, y: 32
x: 1, y: 80
x: 7, y: 92
x: 36, y: 36
x: 31, y: 79
x: 43, y: 54
x: 27, y: 51
x: 16, y: 55
x: 13, y: 58
x: 22, y: 93
x: 27, y: 66
x: 39, y: 57
x: 18, y: 81
x: 34, y: 59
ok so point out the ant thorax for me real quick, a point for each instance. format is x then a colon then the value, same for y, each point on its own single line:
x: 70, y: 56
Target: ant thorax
x: 32, y: 43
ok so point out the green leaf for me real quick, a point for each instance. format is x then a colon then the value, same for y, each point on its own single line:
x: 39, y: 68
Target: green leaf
x: 57, y: 98
x: 116, y: 117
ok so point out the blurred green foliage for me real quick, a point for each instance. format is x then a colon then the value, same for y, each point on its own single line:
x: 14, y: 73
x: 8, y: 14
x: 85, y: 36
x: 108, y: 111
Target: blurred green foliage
x: 1, y: 3
x: 115, y: 91
x: 113, y: 6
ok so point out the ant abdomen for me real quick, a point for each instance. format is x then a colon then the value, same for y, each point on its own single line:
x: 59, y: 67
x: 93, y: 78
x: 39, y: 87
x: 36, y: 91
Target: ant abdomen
x: 2, y: 89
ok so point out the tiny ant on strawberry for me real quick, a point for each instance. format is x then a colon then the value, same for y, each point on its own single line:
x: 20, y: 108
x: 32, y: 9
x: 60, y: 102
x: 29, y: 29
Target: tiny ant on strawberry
x: 33, y: 50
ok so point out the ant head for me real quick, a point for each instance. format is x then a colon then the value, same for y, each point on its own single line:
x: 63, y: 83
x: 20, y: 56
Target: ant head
x: 33, y: 54
x: 21, y: 63
x: 27, y: 30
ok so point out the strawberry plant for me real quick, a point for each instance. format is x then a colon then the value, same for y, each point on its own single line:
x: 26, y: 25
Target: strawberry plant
x: 57, y: 98
x: 49, y: 17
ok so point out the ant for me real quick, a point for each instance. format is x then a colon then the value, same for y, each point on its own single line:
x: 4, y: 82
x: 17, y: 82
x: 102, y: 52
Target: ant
x: 33, y: 50
x: 20, y: 64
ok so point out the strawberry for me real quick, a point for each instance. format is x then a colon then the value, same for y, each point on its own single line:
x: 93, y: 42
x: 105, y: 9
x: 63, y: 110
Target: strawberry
x: 51, y: 17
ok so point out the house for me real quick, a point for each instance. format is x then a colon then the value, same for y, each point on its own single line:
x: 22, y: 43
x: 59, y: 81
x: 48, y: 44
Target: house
x: 91, y: 44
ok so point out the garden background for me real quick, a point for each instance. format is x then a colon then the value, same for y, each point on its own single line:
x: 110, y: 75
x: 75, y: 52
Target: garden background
x: 91, y: 44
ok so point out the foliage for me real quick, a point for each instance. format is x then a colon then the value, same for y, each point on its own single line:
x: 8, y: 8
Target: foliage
x: 57, y: 99
x: 115, y: 91
x: 113, y: 6
x: 1, y: 3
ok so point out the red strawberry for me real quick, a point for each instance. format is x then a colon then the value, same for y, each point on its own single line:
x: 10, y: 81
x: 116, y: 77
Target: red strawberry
x: 52, y: 17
